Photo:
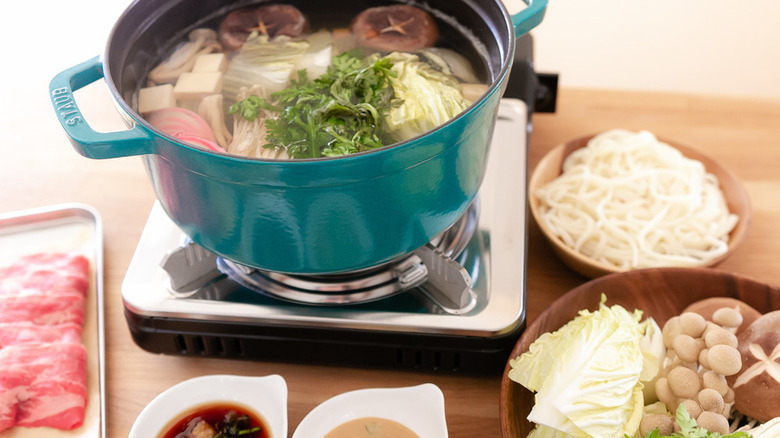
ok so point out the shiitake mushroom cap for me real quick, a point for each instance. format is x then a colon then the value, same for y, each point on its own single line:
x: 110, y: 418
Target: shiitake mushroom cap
x: 756, y: 387
x: 272, y: 20
x: 403, y: 28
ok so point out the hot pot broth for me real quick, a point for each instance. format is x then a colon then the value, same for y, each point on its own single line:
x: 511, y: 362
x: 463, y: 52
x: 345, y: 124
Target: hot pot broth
x: 264, y: 120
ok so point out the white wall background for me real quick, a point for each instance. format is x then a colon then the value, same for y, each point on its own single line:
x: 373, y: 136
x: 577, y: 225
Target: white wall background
x: 698, y: 46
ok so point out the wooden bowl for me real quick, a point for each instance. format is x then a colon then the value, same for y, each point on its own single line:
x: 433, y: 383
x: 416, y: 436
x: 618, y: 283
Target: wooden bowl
x: 550, y: 167
x: 659, y: 292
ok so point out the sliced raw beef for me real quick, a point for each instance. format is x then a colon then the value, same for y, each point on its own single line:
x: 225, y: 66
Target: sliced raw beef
x: 44, y: 385
x: 14, y: 333
x: 46, y: 272
x: 42, y: 308
x: 43, y: 364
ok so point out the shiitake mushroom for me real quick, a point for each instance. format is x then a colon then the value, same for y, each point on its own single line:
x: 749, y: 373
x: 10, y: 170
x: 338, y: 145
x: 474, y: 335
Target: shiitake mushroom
x: 271, y: 20
x: 757, y: 385
x: 403, y: 28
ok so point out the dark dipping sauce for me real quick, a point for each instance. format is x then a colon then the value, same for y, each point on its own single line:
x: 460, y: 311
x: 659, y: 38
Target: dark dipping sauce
x: 229, y: 418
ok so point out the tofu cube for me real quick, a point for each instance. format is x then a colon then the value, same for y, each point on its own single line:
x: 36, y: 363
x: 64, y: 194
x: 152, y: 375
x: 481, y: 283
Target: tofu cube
x: 210, y: 62
x: 155, y: 98
x: 196, y: 85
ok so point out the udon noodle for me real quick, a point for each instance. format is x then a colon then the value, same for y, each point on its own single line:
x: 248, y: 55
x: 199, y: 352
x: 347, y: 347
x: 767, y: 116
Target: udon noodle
x: 631, y: 201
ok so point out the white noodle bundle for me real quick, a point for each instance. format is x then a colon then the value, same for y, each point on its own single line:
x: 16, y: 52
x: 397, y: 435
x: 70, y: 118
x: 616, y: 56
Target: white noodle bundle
x: 631, y: 201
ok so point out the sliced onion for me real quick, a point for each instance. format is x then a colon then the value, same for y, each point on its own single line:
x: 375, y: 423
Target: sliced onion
x: 177, y: 121
x: 200, y: 141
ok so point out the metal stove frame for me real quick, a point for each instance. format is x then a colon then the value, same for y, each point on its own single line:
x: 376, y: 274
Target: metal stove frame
x: 407, y: 335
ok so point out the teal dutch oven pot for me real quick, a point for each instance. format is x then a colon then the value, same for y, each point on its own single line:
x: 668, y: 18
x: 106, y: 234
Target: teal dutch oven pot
x: 311, y: 216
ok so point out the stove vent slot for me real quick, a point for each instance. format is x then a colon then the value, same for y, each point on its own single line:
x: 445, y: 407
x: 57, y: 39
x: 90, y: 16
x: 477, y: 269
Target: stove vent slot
x: 208, y: 346
x: 428, y: 359
x: 181, y: 347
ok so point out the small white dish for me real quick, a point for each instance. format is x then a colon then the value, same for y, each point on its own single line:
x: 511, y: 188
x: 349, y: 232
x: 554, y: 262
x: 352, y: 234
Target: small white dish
x: 420, y: 408
x: 265, y: 395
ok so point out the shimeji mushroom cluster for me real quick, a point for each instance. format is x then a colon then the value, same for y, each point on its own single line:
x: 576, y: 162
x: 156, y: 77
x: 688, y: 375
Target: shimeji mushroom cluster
x: 700, y: 355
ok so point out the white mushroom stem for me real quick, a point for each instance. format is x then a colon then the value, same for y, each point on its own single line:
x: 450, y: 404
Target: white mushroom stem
x: 212, y: 110
x: 249, y: 136
x: 202, y: 41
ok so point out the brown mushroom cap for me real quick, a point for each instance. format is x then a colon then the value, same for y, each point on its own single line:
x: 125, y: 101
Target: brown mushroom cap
x: 713, y: 380
x: 684, y: 382
x: 686, y: 347
x: 708, y: 306
x: 717, y: 335
x: 757, y: 385
x: 272, y: 20
x: 403, y: 28
x: 724, y: 359
x: 713, y: 422
x: 693, y: 407
x: 692, y: 324
x: 664, y: 392
x: 664, y: 424
x: 727, y: 317
x: 670, y: 330
x: 710, y: 400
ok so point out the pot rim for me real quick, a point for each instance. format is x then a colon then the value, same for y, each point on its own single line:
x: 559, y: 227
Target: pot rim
x: 497, y: 84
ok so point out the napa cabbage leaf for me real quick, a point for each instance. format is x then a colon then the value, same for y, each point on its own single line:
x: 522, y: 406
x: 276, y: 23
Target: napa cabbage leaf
x: 586, y: 375
x: 429, y: 97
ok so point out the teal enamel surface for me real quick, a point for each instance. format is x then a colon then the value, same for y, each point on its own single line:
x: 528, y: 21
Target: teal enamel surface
x: 529, y: 17
x: 303, y: 216
x: 307, y: 219
x: 88, y: 142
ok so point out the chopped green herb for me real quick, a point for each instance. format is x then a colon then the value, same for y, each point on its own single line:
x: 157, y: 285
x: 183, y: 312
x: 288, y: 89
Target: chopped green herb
x: 250, y: 107
x: 338, y: 113
x: 235, y: 426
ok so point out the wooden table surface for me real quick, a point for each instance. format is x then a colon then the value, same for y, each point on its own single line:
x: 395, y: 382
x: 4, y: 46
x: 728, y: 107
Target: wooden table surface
x: 38, y: 167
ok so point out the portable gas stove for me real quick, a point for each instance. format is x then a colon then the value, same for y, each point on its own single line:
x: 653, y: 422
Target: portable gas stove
x: 458, y: 304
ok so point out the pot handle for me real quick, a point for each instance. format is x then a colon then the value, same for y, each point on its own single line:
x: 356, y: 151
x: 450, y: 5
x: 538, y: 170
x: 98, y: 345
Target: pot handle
x: 526, y: 14
x: 88, y: 142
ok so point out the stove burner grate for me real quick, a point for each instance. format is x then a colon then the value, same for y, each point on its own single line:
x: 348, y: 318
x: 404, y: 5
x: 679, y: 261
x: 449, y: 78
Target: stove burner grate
x: 432, y: 268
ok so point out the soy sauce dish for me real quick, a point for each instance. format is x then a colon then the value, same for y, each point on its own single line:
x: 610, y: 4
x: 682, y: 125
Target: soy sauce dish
x: 253, y: 404
x: 417, y: 410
